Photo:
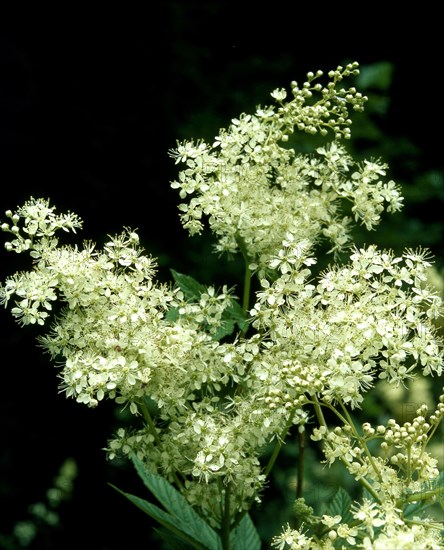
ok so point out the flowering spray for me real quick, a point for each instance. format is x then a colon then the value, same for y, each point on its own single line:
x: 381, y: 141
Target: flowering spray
x: 219, y: 381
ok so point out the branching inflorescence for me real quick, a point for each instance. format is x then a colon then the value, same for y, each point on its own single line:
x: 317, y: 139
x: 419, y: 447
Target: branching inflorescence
x: 216, y: 384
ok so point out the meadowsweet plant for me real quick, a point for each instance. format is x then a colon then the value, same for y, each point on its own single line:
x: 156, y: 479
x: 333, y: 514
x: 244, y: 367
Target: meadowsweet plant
x: 219, y: 379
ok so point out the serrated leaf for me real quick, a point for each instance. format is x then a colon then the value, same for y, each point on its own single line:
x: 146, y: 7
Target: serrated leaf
x: 231, y: 316
x: 172, y: 314
x: 235, y: 312
x: 415, y: 508
x: 438, y: 481
x: 340, y: 505
x: 191, y: 288
x: 171, y: 540
x: 176, y: 504
x: 245, y: 535
x: 225, y: 328
x: 166, y: 520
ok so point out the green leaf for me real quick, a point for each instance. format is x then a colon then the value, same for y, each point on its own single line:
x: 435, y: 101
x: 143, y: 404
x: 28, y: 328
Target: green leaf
x: 162, y: 517
x: 435, y: 485
x: 235, y: 312
x: 415, y: 508
x: 192, y: 290
x: 183, y: 515
x: 231, y: 316
x: 189, y: 286
x: 172, y: 314
x: 438, y: 482
x: 225, y: 328
x: 152, y: 510
x: 340, y: 505
x: 438, y: 485
x: 172, y: 541
x: 245, y: 535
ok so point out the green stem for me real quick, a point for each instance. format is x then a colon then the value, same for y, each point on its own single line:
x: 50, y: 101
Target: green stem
x: 423, y: 495
x: 300, y: 478
x: 316, y: 404
x: 247, y: 277
x: 409, y: 464
x: 146, y: 415
x: 361, y: 441
x: 247, y: 289
x: 429, y: 437
x: 321, y: 420
x: 278, y: 446
x: 226, y: 519
x: 318, y: 411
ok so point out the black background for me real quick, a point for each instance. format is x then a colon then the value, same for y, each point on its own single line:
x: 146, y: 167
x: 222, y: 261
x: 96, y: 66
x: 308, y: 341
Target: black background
x: 88, y: 111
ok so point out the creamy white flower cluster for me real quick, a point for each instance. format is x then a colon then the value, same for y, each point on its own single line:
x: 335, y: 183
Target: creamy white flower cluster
x: 402, y: 475
x: 253, y: 190
x: 111, y: 333
x: 40, y: 221
x: 395, y: 535
x: 369, y: 319
x: 115, y: 340
x: 213, y: 400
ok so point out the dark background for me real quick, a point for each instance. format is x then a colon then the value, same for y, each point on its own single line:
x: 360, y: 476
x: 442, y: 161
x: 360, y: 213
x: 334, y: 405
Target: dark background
x: 88, y: 111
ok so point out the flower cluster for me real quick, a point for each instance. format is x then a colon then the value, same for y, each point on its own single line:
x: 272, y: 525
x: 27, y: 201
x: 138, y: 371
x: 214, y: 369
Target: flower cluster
x: 216, y: 385
x: 397, y: 482
x: 253, y: 190
x: 371, y: 318
x: 123, y: 336
x: 40, y: 222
